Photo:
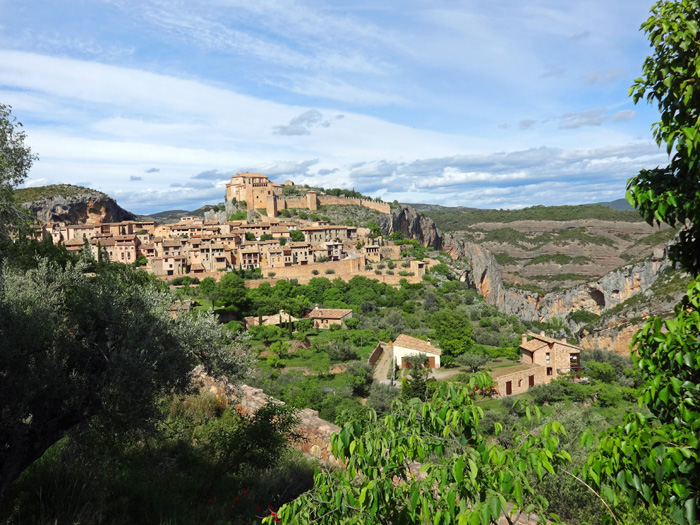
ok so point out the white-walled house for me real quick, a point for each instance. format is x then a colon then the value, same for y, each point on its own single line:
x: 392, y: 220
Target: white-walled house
x: 406, y: 346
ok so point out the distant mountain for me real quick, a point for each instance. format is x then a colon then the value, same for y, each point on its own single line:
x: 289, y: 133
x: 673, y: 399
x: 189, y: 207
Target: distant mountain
x: 619, y: 204
x: 171, y: 216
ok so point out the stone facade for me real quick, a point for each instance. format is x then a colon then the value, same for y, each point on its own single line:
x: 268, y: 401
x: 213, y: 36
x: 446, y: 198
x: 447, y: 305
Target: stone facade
x: 543, y: 360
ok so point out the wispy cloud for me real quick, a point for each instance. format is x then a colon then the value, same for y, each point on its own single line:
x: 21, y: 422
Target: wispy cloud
x: 602, y: 78
x: 594, y: 117
x: 302, y: 124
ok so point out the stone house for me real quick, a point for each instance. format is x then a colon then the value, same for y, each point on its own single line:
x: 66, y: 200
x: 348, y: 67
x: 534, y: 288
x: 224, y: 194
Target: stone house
x: 543, y: 360
x: 325, y: 317
x: 406, y: 346
x: 270, y: 320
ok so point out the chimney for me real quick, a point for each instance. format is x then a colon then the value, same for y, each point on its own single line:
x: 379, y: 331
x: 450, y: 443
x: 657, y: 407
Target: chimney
x: 542, y: 333
x: 524, y: 339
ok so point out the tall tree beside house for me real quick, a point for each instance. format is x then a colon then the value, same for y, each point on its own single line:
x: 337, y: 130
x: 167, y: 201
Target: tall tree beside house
x: 655, y: 458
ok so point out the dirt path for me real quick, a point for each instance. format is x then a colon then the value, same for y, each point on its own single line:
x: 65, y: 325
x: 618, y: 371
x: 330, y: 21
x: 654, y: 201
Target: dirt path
x: 383, y: 366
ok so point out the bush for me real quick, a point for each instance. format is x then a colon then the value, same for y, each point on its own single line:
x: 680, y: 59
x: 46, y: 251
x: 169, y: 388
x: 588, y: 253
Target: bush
x: 601, y: 371
x: 314, y: 271
x: 381, y: 396
x: 330, y: 271
x: 609, y: 396
x: 341, y: 351
x: 549, y: 393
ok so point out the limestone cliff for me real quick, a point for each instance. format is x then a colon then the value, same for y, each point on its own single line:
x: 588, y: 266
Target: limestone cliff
x: 596, y: 296
x: 72, y: 205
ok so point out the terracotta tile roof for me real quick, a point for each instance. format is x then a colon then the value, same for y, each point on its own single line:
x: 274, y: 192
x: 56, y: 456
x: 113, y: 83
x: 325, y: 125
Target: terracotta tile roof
x: 533, y: 345
x: 328, y: 313
x: 542, y: 340
x: 412, y: 343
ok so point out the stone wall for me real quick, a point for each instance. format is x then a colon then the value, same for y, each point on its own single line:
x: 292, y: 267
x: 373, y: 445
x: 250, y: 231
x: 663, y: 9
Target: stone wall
x: 345, y: 270
x: 286, y: 203
x: 329, y: 200
x: 520, y: 380
x: 376, y: 354
x: 315, y: 432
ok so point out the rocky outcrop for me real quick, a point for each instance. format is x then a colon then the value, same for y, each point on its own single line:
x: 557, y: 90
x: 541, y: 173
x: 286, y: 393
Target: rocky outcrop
x: 616, y: 338
x: 412, y: 225
x: 485, y: 275
x: 315, y: 433
x: 81, y: 206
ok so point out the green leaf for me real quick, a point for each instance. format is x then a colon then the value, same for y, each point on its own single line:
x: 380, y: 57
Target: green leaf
x: 458, y: 469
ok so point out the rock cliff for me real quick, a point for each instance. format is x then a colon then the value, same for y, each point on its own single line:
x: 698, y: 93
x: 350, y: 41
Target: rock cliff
x: 596, y: 296
x: 75, y: 205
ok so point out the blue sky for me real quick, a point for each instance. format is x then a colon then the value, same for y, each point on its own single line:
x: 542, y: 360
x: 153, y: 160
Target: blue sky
x: 500, y: 104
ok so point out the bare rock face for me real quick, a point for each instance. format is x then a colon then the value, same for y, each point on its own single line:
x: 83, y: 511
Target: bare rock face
x: 485, y: 276
x: 82, y: 207
x: 220, y: 216
x: 413, y: 225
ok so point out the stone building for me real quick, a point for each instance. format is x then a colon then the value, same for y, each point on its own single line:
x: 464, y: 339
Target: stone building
x: 543, y: 360
x: 325, y: 317
x: 254, y: 189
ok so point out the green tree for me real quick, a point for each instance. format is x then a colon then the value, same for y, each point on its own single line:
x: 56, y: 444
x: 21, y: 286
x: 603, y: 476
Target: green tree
x: 16, y: 159
x: 451, y: 328
x: 472, y: 361
x: 671, y: 194
x: 297, y: 235
x: 465, y: 477
x: 374, y: 229
x: 655, y: 458
x: 100, y: 352
x: 231, y: 291
x: 207, y: 288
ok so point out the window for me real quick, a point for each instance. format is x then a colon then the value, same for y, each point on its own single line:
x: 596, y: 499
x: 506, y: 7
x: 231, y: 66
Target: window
x: 547, y: 357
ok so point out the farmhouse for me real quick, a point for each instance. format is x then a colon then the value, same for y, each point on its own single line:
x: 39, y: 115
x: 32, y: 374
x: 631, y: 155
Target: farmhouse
x: 278, y: 319
x: 325, y: 317
x: 406, y: 346
x: 543, y: 360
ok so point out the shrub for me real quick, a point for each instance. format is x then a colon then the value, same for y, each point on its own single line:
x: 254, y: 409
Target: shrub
x: 381, y: 396
x: 330, y: 271
x: 314, y: 271
x: 341, y: 351
x: 549, y: 393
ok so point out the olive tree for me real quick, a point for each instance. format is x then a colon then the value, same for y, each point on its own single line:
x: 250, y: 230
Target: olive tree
x: 81, y: 349
x: 16, y: 159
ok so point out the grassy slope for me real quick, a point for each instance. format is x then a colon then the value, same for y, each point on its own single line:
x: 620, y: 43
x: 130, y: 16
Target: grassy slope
x: 54, y: 190
x: 454, y: 220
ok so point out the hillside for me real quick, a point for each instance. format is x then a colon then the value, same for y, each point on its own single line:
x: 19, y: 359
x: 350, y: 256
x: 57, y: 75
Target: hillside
x: 71, y: 204
x: 545, y: 248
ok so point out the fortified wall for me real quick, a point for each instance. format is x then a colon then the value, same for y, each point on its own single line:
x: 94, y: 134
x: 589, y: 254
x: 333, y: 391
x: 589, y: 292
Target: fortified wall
x: 311, y: 201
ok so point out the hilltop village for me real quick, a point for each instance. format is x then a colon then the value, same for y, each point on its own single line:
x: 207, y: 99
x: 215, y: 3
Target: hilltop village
x: 273, y: 246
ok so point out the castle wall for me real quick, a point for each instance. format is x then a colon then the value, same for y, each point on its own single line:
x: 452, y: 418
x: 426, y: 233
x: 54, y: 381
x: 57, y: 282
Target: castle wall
x: 311, y: 201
